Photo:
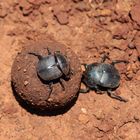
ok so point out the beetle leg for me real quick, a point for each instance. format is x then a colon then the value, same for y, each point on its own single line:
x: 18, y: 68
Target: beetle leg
x: 49, y: 52
x: 70, y: 73
x: 67, y: 77
x: 104, y: 58
x: 99, y: 91
x: 118, y: 61
x: 58, y: 52
x: 87, y: 89
x: 113, y: 95
x: 62, y: 85
x: 35, y: 54
x: 50, y: 89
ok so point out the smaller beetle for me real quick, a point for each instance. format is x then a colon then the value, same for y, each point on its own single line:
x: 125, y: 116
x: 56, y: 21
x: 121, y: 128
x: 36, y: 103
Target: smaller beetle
x: 102, y: 76
x: 52, y: 68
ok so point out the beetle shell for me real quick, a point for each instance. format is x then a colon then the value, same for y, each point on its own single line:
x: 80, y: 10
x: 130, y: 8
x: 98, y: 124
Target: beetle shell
x: 101, y: 74
x: 63, y: 63
x: 48, y: 70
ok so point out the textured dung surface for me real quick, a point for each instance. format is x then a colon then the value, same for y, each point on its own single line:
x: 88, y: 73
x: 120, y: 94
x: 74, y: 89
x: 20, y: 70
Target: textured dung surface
x: 29, y: 86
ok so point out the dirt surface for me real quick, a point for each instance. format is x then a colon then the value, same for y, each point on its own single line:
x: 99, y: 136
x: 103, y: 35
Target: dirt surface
x: 90, y: 28
x: 35, y: 92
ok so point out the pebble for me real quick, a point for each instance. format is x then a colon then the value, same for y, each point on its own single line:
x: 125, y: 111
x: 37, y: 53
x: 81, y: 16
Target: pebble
x: 24, y: 70
x: 26, y: 83
x: 76, y: 1
x: 138, y: 75
x: 84, y: 110
x: 82, y: 6
x: 3, y: 10
x: 135, y: 13
x: 83, y: 118
x: 25, y: 7
x: 62, y: 17
x: 137, y: 44
x: 9, y: 109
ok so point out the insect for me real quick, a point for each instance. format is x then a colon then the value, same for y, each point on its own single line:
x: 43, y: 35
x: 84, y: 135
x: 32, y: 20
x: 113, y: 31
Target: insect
x: 53, y: 67
x: 102, y: 76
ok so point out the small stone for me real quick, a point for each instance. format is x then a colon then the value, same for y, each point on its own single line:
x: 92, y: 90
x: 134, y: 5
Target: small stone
x: 9, y: 109
x: 130, y: 75
x: 98, y: 114
x: 45, y: 24
x: 83, y: 118
x: 131, y: 45
x: 19, y: 68
x: 62, y: 17
x: 138, y: 75
x: 50, y: 99
x: 3, y: 10
x: 105, y: 126
x: 26, y: 83
x: 82, y: 6
x: 39, y: 2
x: 24, y: 70
x: 76, y: 1
x: 25, y: 7
x: 135, y: 13
x: 35, y: 2
x: 121, y: 33
x: 84, y: 110
x: 134, y: 56
x: 137, y: 44
x: 137, y: 118
x: 138, y: 50
x: 103, y: 13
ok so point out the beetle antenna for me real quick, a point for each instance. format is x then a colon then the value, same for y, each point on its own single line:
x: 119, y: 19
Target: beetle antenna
x: 118, y: 61
x: 35, y: 54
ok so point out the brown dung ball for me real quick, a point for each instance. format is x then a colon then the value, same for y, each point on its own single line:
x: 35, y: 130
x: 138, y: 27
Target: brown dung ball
x: 35, y: 92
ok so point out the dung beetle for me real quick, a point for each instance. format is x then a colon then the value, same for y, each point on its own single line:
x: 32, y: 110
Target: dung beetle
x: 102, y: 76
x: 52, y: 67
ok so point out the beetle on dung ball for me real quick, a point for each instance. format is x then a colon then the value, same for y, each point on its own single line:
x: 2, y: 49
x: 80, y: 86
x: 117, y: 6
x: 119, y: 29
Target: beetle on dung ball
x: 52, y: 67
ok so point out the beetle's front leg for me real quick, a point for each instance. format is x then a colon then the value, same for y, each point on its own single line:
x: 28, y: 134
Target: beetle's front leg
x: 118, y: 61
x: 36, y: 54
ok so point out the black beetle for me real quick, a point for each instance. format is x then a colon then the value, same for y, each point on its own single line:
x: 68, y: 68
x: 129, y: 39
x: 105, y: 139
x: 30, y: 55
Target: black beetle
x: 102, y: 76
x: 52, y: 67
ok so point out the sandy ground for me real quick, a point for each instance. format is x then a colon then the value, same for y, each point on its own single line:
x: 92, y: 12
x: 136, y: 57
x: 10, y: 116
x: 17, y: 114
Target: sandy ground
x: 90, y: 28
